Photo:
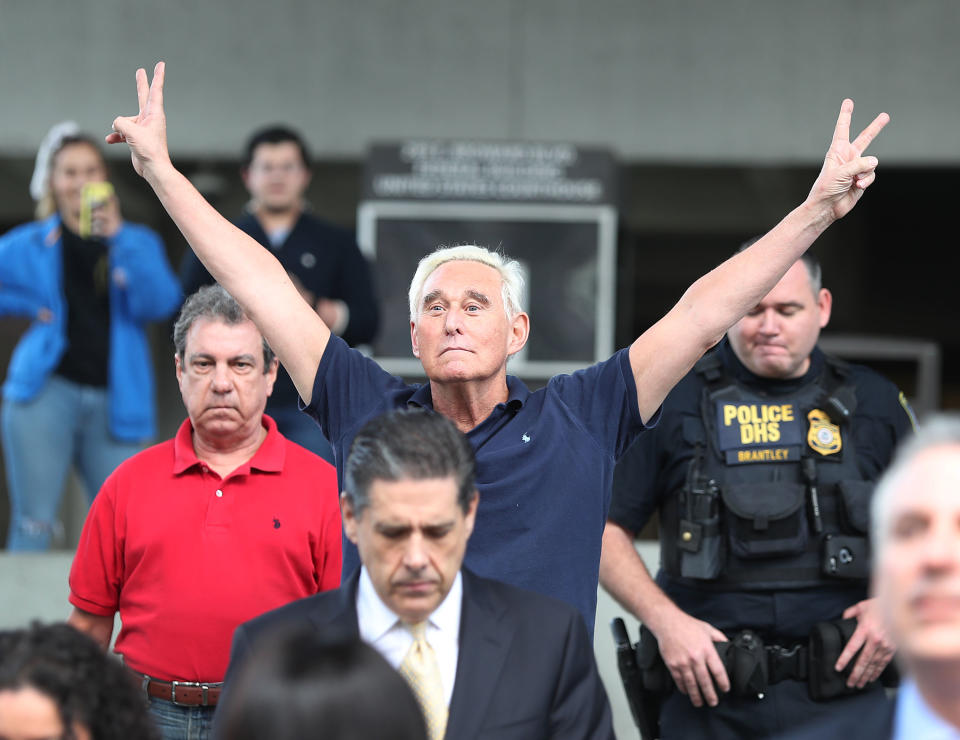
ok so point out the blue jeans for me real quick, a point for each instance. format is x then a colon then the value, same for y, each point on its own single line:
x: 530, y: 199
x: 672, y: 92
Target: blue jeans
x: 66, y: 423
x: 296, y: 426
x: 181, y: 723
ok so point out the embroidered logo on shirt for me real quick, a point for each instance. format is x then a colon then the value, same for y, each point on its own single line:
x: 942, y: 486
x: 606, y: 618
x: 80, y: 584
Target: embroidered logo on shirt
x: 525, y: 438
x: 276, y: 523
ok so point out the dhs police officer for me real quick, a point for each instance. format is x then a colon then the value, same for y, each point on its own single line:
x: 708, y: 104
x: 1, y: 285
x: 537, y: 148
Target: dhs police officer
x: 761, y: 469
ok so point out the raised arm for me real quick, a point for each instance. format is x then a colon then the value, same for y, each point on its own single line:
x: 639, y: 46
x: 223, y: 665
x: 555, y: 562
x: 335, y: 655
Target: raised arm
x: 667, y: 350
x: 248, y: 271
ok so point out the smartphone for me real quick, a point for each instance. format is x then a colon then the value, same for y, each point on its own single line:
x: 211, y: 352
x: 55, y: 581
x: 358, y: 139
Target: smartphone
x: 93, y: 196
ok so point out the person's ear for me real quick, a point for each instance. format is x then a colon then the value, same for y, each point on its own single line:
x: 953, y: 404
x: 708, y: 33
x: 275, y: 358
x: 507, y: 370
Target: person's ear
x: 471, y: 515
x: 519, y: 332
x: 824, y: 306
x: 414, y: 340
x: 348, y: 515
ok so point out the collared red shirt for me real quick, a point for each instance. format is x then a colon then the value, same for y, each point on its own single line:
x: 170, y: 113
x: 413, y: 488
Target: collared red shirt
x: 380, y: 627
x: 185, y: 555
x: 915, y: 720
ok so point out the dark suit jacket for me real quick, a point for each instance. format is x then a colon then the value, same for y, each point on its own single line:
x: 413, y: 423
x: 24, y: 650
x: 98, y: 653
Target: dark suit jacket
x: 855, y: 726
x: 525, y: 669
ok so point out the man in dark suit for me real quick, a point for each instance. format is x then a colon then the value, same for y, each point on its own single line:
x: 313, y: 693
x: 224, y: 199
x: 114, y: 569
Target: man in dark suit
x: 916, y: 577
x: 485, y: 660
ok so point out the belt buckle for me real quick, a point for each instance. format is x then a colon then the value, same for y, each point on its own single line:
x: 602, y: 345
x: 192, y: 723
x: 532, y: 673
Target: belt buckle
x: 173, y: 694
x: 204, y: 688
x: 788, y: 663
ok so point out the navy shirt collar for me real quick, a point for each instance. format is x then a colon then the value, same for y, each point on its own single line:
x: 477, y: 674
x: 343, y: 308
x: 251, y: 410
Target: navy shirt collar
x: 517, y: 394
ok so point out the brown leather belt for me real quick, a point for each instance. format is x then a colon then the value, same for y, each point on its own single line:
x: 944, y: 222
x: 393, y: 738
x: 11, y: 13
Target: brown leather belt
x: 181, y: 693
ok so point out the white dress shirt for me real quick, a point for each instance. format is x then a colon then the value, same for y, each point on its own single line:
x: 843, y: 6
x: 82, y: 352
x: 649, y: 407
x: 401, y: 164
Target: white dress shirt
x: 380, y: 627
x: 915, y: 720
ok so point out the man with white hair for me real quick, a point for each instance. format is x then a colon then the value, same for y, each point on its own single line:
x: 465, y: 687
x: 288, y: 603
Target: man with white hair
x: 544, y: 459
x: 916, y: 577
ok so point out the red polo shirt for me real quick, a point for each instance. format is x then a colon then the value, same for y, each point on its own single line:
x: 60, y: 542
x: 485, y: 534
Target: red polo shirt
x: 185, y: 555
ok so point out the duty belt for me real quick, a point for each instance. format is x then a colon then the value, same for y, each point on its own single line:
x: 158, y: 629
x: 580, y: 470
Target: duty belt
x: 751, y: 667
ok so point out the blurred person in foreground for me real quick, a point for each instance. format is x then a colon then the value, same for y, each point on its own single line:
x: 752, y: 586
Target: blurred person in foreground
x: 761, y: 471
x: 56, y: 682
x: 916, y: 579
x: 322, y: 260
x: 545, y: 458
x: 485, y: 660
x: 195, y: 535
x: 299, y: 684
x: 79, y: 389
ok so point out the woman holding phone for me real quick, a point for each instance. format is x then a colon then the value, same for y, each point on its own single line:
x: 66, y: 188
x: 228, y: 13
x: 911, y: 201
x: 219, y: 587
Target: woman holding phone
x: 79, y: 388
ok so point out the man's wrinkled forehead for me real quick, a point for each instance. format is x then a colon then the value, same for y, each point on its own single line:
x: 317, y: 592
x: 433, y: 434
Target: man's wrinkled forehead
x: 439, y: 294
x: 454, y: 278
x: 212, y: 335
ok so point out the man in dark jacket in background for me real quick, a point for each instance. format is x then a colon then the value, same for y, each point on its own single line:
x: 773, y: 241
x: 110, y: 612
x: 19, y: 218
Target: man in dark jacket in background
x: 322, y: 260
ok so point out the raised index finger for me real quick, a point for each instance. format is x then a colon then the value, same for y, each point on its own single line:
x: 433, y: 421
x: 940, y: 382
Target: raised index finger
x: 868, y: 134
x: 841, y: 134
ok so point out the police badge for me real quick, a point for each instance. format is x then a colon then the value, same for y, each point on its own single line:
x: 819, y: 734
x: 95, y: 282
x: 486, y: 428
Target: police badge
x: 823, y: 436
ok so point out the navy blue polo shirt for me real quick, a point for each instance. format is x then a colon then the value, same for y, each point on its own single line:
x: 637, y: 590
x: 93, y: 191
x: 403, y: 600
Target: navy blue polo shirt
x: 544, y: 465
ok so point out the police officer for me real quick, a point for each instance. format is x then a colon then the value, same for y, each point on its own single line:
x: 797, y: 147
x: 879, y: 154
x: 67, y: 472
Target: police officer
x: 761, y: 469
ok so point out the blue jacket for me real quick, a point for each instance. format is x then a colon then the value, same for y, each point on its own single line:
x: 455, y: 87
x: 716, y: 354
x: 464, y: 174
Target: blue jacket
x: 31, y: 278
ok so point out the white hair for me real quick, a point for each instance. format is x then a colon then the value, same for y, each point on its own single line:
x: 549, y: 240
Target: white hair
x: 942, y: 430
x: 511, y: 274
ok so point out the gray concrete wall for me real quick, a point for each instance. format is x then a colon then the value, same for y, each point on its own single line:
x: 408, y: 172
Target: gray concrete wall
x: 35, y: 587
x: 748, y: 81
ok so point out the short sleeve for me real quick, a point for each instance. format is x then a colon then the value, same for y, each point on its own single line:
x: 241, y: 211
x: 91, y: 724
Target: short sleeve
x: 603, y: 397
x: 96, y: 574
x: 348, y: 388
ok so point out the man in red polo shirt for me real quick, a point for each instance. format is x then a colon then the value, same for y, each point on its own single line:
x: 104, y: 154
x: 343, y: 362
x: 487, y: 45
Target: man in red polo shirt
x: 207, y: 530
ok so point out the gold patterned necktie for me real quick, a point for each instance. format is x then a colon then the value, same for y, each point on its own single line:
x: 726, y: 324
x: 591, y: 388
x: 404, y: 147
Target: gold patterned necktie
x: 422, y: 672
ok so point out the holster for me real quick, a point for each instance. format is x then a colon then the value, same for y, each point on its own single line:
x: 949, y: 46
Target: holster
x: 644, y: 702
x: 745, y: 660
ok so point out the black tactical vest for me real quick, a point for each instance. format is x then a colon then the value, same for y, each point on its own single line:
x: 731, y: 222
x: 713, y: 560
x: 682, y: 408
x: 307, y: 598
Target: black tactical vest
x: 773, y: 497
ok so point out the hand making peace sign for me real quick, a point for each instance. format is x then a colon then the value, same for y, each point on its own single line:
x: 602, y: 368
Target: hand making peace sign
x: 846, y: 173
x: 145, y: 133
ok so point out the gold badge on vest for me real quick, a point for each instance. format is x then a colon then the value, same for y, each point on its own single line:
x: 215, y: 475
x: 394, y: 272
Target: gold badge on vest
x: 823, y: 436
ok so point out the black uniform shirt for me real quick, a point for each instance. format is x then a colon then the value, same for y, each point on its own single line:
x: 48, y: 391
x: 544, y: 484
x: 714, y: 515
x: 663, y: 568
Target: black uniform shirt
x: 656, y: 467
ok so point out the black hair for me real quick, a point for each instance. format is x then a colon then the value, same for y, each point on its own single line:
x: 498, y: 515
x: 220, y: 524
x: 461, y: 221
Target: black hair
x: 409, y: 444
x: 299, y: 684
x: 277, y: 134
x: 89, y: 687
